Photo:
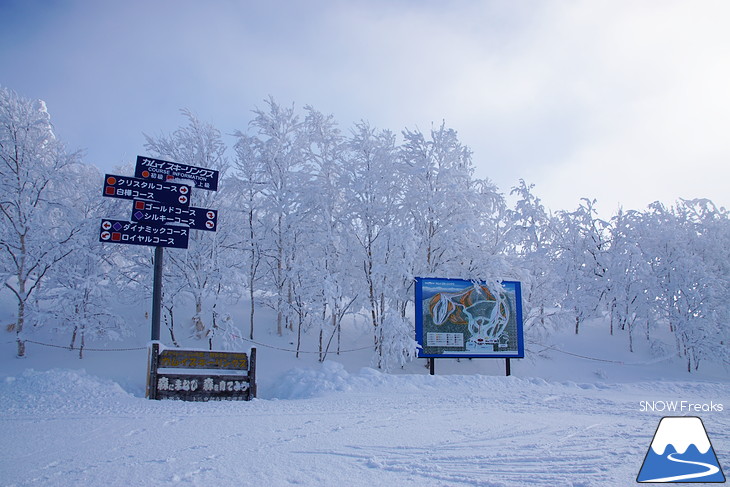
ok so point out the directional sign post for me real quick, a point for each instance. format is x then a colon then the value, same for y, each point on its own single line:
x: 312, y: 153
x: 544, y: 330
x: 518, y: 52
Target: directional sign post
x: 127, y: 188
x: 159, y: 214
x: 159, y: 170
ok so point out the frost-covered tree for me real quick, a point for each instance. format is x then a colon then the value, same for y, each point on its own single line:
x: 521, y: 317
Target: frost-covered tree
x: 582, y: 247
x: 82, y: 289
x: 247, y: 208
x: 531, y: 243
x: 629, y: 280
x: 327, y: 234
x: 278, y: 146
x: 375, y: 186
x: 689, y: 253
x: 34, y: 230
x: 440, y: 198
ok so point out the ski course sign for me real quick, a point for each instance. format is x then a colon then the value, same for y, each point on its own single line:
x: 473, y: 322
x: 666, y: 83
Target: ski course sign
x: 159, y: 170
x: 161, y: 211
x: 160, y: 214
x: 120, y: 231
x: 128, y: 188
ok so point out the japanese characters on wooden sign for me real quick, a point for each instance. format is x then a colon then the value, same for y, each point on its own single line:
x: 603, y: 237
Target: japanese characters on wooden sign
x: 197, y: 375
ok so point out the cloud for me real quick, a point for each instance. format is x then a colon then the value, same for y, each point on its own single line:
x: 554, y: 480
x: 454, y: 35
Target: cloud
x: 653, y: 109
x: 622, y: 101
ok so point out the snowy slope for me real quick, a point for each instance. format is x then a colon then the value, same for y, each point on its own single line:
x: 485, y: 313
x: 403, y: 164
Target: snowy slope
x: 560, y: 420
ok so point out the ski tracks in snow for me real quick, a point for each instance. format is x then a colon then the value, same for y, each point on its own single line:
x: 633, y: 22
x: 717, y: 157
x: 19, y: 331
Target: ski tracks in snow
x: 373, y: 430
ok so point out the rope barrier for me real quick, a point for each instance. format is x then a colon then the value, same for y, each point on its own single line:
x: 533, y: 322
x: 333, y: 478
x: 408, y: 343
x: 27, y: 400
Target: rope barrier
x: 546, y: 347
x: 620, y: 362
x: 86, y: 349
x: 145, y: 348
x: 305, y: 351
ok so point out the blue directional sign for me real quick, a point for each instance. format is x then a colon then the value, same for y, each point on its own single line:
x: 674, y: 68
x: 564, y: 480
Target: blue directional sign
x: 119, y: 231
x: 143, y: 189
x: 161, y: 214
x: 159, y: 170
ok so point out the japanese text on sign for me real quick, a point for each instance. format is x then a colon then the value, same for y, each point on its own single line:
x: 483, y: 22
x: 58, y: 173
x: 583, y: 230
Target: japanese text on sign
x: 207, y: 384
x: 204, y: 360
x: 157, y: 169
x: 134, y: 188
x: 119, y: 231
x: 160, y: 214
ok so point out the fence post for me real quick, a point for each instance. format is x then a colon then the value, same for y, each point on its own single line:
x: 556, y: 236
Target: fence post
x: 252, y: 375
x: 153, y: 361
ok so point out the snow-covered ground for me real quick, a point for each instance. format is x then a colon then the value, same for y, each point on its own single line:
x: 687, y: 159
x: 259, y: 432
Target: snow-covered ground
x: 559, y: 420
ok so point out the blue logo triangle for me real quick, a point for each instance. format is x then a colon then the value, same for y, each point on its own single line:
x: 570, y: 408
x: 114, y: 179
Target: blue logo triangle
x: 681, y: 451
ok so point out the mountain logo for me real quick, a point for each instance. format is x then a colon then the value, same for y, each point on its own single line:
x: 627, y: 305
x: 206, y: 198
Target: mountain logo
x: 681, y: 452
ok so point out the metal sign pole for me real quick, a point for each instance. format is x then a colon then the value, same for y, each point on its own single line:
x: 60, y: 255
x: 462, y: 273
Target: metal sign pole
x: 157, y: 294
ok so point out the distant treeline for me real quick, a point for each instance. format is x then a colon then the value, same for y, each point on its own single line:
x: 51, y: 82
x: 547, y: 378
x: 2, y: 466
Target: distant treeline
x: 319, y: 225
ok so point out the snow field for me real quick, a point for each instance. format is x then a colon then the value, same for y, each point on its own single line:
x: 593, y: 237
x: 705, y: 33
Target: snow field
x: 325, y: 426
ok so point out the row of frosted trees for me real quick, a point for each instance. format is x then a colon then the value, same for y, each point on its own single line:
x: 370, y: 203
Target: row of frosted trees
x: 320, y: 225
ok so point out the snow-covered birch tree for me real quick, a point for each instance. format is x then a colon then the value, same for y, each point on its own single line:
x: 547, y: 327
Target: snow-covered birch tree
x: 441, y: 199
x: 34, y: 233
x: 82, y: 290
x: 375, y: 184
x: 531, y: 237
x: 278, y: 146
x: 582, y: 247
x: 247, y: 207
x: 329, y: 228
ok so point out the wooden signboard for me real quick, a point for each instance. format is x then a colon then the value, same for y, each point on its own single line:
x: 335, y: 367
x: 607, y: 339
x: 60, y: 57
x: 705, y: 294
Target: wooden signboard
x: 200, y: 375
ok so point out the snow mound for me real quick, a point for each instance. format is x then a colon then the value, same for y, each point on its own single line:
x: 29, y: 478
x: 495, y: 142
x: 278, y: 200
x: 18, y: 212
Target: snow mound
x: 61, y: 390
x: 332, y: 377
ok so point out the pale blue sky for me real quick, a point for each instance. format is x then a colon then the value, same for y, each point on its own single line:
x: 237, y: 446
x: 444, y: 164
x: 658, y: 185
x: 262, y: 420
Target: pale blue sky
x: 623, y: 101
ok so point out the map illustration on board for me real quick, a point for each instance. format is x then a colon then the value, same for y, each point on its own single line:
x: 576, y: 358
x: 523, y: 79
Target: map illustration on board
x: 460, y: 318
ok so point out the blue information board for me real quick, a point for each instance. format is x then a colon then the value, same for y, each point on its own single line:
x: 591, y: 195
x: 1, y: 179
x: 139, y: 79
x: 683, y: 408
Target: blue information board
x: 459, y: 318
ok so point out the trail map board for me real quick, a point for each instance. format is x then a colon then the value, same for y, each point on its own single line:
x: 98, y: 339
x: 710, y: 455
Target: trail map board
x: 456, y: 318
